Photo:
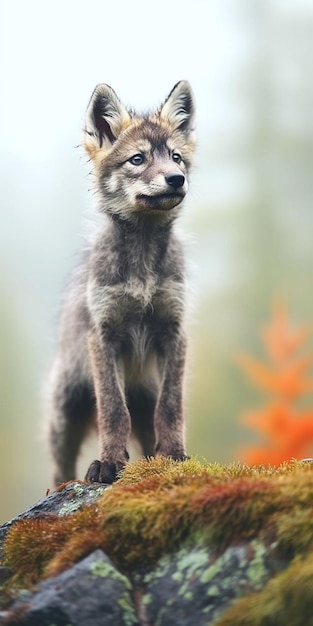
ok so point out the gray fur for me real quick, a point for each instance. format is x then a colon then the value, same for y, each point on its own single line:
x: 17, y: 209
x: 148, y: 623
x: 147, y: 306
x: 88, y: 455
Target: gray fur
x: 121, y: 350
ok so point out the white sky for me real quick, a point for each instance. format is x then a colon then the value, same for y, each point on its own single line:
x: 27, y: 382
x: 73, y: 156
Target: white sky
x: 54, y: 53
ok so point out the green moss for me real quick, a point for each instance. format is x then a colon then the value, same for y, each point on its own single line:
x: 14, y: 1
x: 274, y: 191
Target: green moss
x: 159, y: 506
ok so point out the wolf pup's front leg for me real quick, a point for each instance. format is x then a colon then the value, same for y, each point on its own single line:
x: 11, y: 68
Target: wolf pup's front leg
x: 113, y: 418
x: 169, y: 417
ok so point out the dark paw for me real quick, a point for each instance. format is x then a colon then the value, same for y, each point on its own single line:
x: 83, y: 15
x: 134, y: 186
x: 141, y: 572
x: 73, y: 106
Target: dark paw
x: 176, y: 455
x: 179, y: 457
x: 103, y: 472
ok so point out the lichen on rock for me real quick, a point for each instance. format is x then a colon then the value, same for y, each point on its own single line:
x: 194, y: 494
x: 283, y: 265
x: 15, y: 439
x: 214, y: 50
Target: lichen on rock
x: 189, y: 542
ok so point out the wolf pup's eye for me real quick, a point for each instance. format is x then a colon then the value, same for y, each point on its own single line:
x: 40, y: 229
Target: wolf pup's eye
x: 176, y: 157
x: 137, y: 159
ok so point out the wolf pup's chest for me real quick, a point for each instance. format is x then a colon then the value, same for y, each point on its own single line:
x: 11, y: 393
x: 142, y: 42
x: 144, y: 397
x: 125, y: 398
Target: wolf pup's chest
x: 134, y: 299
x: 141, y: 291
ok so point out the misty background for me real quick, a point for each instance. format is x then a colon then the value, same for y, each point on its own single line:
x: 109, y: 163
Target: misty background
x: 248, y: 217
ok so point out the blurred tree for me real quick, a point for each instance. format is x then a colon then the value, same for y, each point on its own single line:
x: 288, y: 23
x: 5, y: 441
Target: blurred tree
x: 287, y: 428
x: 258, y: 243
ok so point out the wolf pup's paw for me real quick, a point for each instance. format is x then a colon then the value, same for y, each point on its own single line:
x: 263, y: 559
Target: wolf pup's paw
x: 179, y: 457
x: 176, y: 454
x: 103, y: 472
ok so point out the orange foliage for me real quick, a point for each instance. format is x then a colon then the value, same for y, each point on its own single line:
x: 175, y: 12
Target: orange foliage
x: 286, y: 429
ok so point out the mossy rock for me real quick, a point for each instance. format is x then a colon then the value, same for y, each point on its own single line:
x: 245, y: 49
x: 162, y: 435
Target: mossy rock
x: 183, y: 542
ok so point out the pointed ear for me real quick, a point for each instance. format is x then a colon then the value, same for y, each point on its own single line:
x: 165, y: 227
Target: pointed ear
x: 179, y: 108
x: 105, y: 118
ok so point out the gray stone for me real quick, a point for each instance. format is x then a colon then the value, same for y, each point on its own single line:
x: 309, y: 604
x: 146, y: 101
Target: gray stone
x: 91, y: 593
x: 195, y: 586
x: 70, y: 498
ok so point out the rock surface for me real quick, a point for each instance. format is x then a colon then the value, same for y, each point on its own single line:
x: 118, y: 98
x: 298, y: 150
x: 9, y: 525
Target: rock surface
x: 83, y: 595
x: 137, y: 553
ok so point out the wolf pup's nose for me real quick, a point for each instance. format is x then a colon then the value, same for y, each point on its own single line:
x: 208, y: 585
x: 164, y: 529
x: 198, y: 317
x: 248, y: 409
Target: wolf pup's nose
x: 175, y: 180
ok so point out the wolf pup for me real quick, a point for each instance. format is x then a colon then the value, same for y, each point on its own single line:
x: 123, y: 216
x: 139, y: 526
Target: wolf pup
x: 121, y: 351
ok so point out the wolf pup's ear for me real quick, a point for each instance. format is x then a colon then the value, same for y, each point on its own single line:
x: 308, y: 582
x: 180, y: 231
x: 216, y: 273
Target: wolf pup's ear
x: 179, y: 108
x: 105, y: 118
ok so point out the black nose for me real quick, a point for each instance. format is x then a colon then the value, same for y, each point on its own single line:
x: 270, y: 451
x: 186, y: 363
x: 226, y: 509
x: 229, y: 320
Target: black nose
x: 175, y: 180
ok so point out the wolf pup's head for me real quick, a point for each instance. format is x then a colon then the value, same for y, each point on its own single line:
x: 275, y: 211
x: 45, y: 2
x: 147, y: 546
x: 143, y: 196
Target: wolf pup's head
x: 141, y: 162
